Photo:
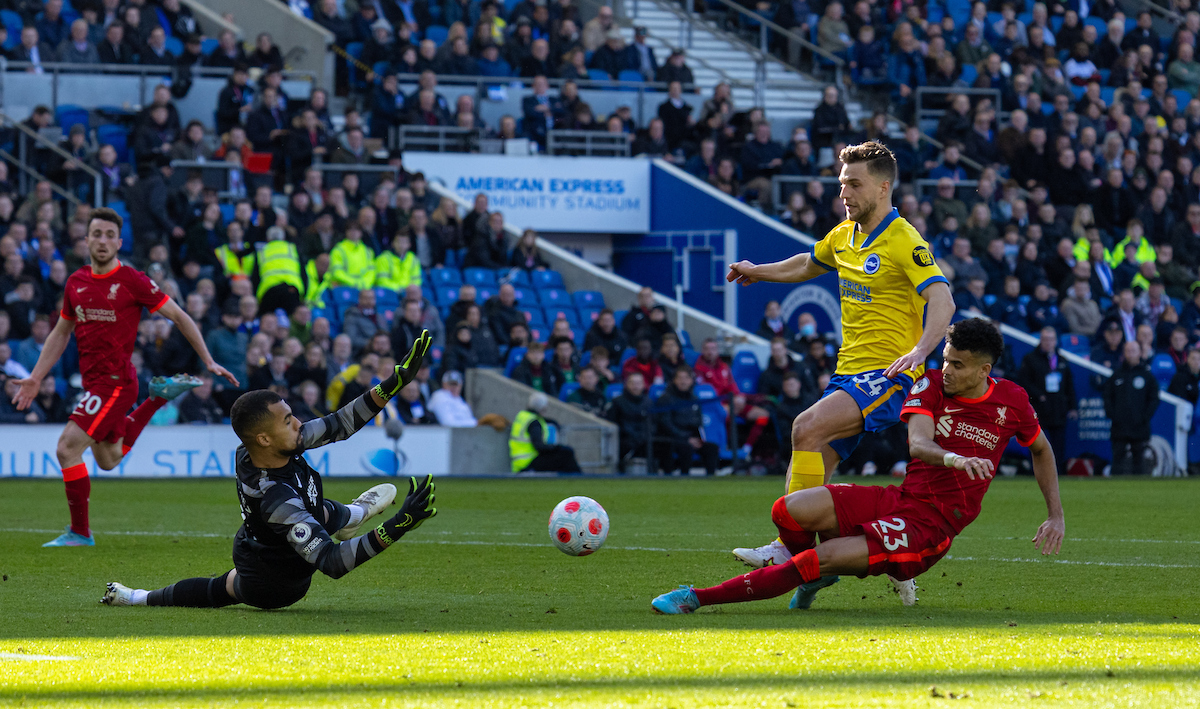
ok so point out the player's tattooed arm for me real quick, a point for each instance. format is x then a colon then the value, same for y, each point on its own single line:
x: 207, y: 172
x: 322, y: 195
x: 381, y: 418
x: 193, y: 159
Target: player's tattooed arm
x: 1049, y: 537
x: 922, y: 447
x: 285, y: 513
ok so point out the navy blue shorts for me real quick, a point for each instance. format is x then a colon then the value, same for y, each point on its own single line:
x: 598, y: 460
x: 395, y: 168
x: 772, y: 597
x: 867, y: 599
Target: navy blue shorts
x: 879, y: 398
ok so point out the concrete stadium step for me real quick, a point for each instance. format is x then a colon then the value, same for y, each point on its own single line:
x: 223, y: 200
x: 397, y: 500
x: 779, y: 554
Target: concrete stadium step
x: 713, y: 57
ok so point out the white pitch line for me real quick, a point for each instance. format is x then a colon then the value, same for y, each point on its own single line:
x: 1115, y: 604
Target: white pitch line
x: 35, y: 658
x: 448, y: 542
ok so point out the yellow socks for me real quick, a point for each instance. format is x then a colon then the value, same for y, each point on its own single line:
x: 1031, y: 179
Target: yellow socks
x: 808, y: 470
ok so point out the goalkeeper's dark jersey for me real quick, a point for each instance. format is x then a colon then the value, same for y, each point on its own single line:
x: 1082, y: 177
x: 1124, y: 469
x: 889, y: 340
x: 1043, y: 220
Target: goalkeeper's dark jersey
x: 282, y: 507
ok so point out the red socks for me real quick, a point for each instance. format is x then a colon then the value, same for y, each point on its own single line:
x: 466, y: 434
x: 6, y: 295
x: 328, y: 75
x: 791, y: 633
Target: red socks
x: 767, y: 582
x: 791, y: 534
x: 136, y: 421
x: 760, y: 425
x: 79, y: 489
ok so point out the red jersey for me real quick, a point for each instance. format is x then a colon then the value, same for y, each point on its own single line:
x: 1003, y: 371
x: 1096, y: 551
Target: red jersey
x: 974, y: 428
x: 106, y: 310
x: 650, y: 371
x: 718, y: 375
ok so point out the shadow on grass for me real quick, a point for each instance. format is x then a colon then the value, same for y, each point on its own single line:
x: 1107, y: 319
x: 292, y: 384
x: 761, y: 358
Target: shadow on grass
x: 817, y: 682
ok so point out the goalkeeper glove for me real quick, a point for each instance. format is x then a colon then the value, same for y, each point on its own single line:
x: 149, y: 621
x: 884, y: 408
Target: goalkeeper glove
x: 406, y: 371
x: 416, y: 508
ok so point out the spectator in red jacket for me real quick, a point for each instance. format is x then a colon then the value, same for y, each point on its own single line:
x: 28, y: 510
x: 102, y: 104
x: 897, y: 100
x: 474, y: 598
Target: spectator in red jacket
x: 644, y: 363
x: 713, y: 371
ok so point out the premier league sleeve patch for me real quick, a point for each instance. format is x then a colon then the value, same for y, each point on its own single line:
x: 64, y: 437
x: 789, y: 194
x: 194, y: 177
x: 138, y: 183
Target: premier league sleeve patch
x: 921, y: 385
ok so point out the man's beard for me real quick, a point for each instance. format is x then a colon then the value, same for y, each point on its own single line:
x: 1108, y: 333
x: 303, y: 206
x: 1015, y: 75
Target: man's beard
x: 865, y: 214
x: 101, y: 263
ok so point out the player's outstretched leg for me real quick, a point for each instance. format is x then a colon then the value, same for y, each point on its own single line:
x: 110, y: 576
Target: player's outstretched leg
x: 364, y: 507
x: 188, y: 593
x: 78, y: 486
x: 162, y: 390
x: 767, y: 582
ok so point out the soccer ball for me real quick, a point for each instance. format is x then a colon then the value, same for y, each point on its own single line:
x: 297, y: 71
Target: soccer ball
x: 578, y: 526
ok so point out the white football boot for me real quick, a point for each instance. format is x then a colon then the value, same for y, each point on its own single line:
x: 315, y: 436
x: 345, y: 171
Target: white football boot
x: 373, y: 502
x: 906, y: 589
x: 766, y: 555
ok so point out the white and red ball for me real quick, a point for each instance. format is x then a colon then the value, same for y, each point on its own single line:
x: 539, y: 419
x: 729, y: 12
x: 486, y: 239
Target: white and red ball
x: 578, y: 526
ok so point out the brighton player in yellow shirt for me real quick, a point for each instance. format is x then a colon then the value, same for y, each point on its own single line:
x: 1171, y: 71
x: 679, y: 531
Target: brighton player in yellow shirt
x: 888, y: 283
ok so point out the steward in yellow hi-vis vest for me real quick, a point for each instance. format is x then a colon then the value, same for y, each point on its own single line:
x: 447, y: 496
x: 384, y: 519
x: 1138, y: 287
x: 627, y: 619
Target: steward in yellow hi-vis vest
x: 399, y: 268
x: 351, y: 262
x: 888, y: 284
x: 279, y: 281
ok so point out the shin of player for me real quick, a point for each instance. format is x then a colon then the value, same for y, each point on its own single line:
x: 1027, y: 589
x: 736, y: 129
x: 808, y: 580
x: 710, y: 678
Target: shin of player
x: 903, y: 530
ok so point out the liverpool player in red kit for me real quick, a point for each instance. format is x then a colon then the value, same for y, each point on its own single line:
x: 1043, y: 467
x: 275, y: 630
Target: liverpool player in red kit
x: 102, y: 305
x: 959, y: 422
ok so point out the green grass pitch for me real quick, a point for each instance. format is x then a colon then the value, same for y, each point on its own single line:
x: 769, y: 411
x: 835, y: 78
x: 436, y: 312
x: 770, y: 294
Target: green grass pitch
x: 476, y: 609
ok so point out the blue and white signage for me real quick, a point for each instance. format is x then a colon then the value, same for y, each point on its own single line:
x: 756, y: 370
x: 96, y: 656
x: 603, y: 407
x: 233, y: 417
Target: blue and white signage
x: 561, y: 194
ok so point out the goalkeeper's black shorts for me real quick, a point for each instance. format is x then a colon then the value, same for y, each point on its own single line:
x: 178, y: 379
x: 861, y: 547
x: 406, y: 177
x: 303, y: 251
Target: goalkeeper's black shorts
x: 268, y: 579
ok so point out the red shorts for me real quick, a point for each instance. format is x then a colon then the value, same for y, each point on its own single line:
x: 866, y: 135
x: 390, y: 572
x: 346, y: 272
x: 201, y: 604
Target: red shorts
x: 905, y: 536
x: 102, y: 410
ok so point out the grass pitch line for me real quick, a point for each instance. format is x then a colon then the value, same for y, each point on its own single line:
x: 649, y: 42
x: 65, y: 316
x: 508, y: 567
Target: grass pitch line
x: 20, y: 657
x: 446, y: 542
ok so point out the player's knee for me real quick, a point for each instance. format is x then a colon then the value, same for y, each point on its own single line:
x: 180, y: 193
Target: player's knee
x: 782, y: 517
x: 805, y: 436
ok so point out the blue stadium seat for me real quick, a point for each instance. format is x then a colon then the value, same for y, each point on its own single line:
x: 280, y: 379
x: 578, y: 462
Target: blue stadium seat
x: 14, y: 24
x: 567, y: 389
x: 1182, y: 98
x: 444, y: 277
x: 590, y: 299
x: 479, y: 277
x: 527, y: 297
x: 619, y: 316
x: 341, y: 298
x: 117, y: 137
x: 627, y: 355
x: 1163, y: 368
x: 483, y: 293
x: 714, y: 418
x: 69, y: 115
x: 387, y: 299
x: 174, y: 45
x: 656, y: 390
x: 534, y: 318
x: 1107, y: 94
x: 554, y: 298
x: 746, y: 372
x: 690, y: 356
x: 547, y: 279
x: 354, y: 49
x: 515, y: 276
x: 208, y: 44
x: 969, y: 74
x: 539, y: 334
x: 515, y: 355
x: 612, y: 391
x: 427, y: 293
x: 1100, y: 25
x: 437, y: 33
x: 598, y: 75
x: 1075, y: 344
x: 227, y: 210
x: 1056, y: 23
x: 446, y: 295
x: 631, y: 76
x: 685, y: 339
x: 569, y: 314
x: 587, y: 316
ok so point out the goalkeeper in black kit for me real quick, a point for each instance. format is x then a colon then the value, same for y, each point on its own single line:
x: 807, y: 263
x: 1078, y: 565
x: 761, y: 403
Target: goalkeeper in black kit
x: 290, y: 531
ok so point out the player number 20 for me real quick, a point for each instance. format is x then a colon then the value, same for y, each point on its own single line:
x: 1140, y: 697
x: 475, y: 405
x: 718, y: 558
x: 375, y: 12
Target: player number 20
x: 892, y: 543
x: 90, y: 403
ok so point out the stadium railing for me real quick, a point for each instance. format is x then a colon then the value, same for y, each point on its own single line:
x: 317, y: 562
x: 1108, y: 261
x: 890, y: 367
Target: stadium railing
x: 586, y: 142
x: 927, y: 113
x: 769, y: 34
x: 780, y: 183
x: 25, y: 138
x: 434, y: 139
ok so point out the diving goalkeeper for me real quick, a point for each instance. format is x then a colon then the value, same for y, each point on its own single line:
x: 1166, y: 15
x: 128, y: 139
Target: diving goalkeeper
x: 289, y: 529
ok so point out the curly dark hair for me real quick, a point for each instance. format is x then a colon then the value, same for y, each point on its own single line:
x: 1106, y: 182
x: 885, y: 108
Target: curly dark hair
x: 976, y: 335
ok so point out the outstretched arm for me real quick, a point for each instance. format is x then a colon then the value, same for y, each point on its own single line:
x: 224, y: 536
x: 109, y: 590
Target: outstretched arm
x: 56, y: 343
x: 938, y: 313
x: 922, y: 447
x: 187, y: 326
x: 796, y: 269
x: 1049, y: 537
x: 344, y: 422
